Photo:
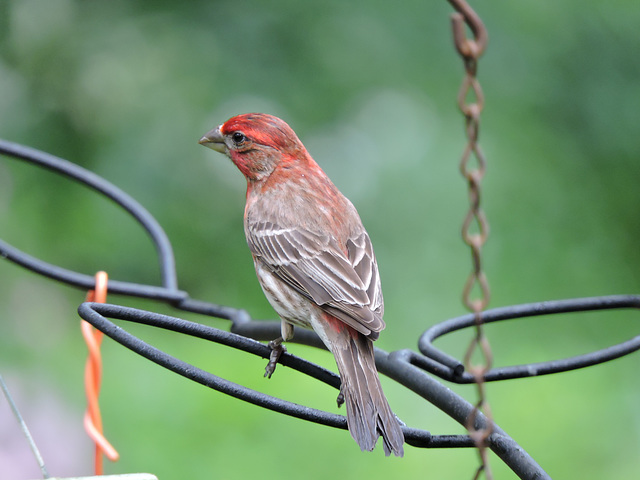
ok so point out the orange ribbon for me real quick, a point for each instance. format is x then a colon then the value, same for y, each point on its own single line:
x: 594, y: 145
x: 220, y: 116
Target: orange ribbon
x: 93, y: 377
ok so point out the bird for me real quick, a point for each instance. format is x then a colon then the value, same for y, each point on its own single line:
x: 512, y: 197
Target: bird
x: 315, y: 263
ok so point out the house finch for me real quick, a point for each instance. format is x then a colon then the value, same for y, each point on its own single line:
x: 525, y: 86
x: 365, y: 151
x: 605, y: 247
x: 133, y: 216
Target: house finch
x: 315, y: 263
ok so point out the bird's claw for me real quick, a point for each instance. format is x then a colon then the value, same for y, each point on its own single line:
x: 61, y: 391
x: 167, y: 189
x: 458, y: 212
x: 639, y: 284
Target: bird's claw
x: 340, y: 399
x: 277, y: 349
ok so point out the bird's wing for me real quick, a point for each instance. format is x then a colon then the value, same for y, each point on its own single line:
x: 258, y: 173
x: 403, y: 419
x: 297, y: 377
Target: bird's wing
x: 346, y: 285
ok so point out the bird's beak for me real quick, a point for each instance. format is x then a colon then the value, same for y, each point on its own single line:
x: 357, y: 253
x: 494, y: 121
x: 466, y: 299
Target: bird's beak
x: 214, y: 140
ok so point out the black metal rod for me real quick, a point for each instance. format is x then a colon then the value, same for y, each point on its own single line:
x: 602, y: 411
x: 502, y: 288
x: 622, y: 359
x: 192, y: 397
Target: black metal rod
x: 99, y: 184
x: 84, y: 281
x: 449, y: 368
x: 94, y: 313
x: 396, y: 365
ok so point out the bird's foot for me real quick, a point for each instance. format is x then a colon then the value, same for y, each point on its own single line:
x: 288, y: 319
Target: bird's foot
x: 340, y: 399
x: 277, y: 349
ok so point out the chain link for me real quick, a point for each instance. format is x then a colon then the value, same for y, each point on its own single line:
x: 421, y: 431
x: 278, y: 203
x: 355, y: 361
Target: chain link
x: 475, y: 228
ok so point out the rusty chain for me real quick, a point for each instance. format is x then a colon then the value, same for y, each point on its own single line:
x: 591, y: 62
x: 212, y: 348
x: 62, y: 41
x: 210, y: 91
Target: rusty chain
x: 475, y: 228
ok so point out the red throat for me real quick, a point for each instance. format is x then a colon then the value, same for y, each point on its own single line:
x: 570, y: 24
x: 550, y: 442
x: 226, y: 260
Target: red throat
x: 241, y: 162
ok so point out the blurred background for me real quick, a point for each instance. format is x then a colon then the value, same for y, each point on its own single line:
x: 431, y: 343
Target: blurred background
x: 126, y: 89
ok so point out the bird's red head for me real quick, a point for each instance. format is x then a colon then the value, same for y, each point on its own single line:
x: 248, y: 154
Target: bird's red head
x: 257, y: 143
x: 263, y: 129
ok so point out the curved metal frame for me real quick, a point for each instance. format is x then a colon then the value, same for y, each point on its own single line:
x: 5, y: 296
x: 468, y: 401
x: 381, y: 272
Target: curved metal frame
x: 407, y: 367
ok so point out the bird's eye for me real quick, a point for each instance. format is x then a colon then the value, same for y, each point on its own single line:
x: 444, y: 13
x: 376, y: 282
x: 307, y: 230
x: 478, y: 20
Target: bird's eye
x: 238, y: 138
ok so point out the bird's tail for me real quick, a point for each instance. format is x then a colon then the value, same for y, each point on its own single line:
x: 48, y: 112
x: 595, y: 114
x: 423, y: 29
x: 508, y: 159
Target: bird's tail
x: 368, y: 413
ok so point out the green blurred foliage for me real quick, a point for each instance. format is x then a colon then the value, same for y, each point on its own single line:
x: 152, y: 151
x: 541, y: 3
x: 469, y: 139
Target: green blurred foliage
x: 125, y: 89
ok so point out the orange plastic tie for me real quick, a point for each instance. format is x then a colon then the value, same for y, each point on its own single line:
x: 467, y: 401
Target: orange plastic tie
x: 93, y: 377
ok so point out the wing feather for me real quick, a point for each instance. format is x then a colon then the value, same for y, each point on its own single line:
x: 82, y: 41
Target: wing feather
x: 342, y: 281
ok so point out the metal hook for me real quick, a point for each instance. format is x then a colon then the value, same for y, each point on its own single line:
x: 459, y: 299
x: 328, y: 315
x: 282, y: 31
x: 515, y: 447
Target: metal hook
x: 468, y: 48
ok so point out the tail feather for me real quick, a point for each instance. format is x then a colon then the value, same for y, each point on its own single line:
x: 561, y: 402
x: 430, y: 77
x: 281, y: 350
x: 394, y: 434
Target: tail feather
x: 368, y: 413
